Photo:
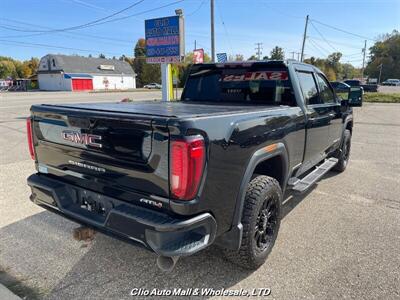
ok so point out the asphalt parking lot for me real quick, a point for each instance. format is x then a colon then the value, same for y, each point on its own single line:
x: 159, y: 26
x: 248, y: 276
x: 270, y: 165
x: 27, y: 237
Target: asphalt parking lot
x: 341, y: 240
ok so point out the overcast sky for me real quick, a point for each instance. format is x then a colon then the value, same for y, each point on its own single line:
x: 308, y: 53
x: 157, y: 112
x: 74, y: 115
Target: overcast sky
x: 239, y: 25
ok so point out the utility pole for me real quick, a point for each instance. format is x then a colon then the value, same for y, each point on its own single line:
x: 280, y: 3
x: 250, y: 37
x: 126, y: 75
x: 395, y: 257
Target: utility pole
x: 304, y: 40
x: 365, y: 51
x: 195, y: 46
x: 259, y: 50
x: 298, y: 54
x: 212, y: 32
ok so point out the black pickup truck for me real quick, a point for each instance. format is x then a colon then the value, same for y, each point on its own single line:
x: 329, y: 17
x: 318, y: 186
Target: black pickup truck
x: 212, y: 168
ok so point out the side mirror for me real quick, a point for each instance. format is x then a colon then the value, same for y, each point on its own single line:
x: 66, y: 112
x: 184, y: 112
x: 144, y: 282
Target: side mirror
x: 355, y: 97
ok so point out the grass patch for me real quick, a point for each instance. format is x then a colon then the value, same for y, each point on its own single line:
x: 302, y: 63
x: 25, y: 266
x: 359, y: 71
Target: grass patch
x: 382, y: 97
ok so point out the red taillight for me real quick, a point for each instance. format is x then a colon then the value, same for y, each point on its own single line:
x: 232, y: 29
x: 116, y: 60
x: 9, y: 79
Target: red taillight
x: 30, y: 138
x: 187, y: 159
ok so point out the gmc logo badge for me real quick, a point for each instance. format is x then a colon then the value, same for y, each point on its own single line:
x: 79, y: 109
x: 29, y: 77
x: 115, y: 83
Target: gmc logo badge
x: 82, y: 138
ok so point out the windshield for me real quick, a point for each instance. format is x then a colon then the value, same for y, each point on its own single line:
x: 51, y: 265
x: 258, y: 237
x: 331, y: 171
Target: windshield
x: 252, y: 85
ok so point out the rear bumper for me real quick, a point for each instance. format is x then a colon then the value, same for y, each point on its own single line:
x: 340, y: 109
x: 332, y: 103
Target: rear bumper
x: 156, y: 231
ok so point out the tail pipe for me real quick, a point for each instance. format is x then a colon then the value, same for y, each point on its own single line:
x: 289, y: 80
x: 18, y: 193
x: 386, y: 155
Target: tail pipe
x: 167, y: 263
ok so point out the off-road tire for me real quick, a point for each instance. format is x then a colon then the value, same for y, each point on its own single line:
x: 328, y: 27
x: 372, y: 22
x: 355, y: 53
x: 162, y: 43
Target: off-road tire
x: 344, y: 154
x: 260, y: 189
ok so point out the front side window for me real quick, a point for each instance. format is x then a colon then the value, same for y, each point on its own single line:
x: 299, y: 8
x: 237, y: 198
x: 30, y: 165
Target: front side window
x: 325, y: 91
x: 309, y: 88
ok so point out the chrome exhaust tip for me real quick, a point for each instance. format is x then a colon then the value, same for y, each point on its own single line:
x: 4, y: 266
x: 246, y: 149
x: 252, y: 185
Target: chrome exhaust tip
x: 167, y: 263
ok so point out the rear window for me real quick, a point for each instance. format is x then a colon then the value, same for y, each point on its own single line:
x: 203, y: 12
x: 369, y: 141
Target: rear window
x: 252, y: 85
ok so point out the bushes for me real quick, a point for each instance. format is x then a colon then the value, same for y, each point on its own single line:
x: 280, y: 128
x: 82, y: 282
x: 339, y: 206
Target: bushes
x: 382, y: 97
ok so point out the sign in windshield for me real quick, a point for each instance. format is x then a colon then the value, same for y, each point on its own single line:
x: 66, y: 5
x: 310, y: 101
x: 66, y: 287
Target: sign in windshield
x: 240, y: 85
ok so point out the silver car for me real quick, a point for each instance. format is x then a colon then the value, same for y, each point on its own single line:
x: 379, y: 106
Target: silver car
x: 153, y: 85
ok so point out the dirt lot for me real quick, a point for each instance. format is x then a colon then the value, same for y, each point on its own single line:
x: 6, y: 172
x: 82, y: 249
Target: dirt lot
x: 341, y: 240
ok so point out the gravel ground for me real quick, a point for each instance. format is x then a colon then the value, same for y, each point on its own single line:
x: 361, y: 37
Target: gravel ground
x: 340, y: 240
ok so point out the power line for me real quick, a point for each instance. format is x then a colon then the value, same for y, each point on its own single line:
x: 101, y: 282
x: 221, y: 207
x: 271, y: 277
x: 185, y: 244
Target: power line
x: 344, y: 31
x: 322, y: 36
x: 335, y: 42
x: 223, y: 24
x: 64, y: 34
x: 196, y: 10
x: 37, y: 45
x: 317, y: 48
x: 89, y: 24
x: 106, y: 21
x: 88, y: 5
x: 140, y: 13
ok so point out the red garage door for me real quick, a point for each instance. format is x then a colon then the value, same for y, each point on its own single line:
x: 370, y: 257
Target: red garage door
x: 82, y: 84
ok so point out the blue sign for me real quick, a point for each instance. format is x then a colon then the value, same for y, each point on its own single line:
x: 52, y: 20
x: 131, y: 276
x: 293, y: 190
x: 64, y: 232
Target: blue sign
x: 164, y: 39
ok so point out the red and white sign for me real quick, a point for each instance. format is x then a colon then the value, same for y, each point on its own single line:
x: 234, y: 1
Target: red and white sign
x: 259, y: 75
x: 198, y: 56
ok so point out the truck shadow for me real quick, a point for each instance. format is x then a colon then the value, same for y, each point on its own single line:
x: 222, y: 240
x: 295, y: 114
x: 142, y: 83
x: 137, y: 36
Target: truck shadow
x: 42, y: 246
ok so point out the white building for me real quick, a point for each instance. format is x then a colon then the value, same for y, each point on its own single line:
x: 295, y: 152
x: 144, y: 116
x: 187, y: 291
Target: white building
x: 77, y: 73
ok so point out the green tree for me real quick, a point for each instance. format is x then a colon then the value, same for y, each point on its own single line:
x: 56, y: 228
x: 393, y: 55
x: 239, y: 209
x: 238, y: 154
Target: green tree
x: 7, y: 69
x: 151, y: 73
x: 146, y: 73
x: 277, y: 53
x: 385, y: 52
x: 253, y: 57
x: 17, y: 69
x: 333, y: 61
x: 140, y: 48
x: 239, y: 57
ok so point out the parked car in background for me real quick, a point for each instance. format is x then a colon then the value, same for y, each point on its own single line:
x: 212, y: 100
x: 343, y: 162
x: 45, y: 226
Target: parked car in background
x: 153, y: 85
x: 340, y: 87
x: 392, y: 82
x: 365, y: 87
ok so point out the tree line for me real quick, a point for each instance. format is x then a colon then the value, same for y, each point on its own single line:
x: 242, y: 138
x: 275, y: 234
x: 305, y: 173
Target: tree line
x: 13, y: 68
x: 384, y: 57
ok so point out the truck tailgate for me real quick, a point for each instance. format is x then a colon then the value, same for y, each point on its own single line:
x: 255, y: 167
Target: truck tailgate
x: 107, y: 152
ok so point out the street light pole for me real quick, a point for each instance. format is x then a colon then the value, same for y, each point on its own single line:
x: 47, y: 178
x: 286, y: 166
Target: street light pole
x: 304, y: 40
x: 212, y: 32
x: 363, y: 64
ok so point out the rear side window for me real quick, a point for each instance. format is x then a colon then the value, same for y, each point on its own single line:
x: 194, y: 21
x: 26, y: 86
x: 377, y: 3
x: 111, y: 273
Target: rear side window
x: 309, y: 88
x: 242, y: 84
x: 325, y: 91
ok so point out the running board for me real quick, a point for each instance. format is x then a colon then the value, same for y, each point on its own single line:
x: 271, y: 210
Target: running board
x: 304, y: 184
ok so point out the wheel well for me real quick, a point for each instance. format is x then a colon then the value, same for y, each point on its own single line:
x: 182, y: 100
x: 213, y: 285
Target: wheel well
x: 272, y: 167
x: 349, y: 126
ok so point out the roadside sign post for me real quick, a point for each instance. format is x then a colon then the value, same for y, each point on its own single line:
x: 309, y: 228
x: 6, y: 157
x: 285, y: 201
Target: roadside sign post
x: 165, y: 44
x: 166, y: 82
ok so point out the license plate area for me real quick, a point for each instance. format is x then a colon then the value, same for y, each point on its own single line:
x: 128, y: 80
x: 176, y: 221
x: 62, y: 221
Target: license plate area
x: 93, y: 202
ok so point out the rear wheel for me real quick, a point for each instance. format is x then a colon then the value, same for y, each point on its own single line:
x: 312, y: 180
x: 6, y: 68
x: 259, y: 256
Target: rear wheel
x: 344, y: 154
x: 260, y: 220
